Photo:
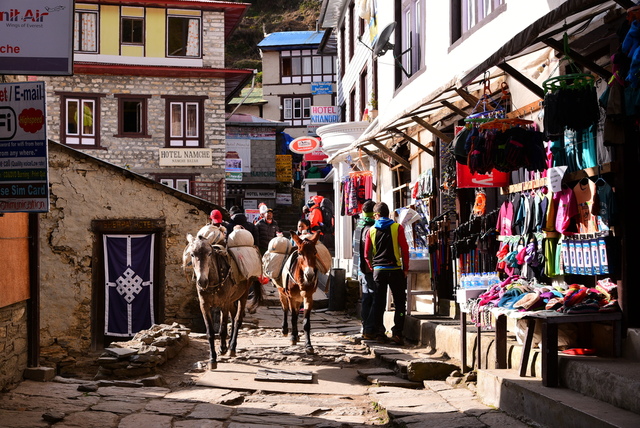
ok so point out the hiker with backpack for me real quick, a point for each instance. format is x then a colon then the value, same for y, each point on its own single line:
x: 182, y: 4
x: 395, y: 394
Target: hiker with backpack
x: 321, y: 218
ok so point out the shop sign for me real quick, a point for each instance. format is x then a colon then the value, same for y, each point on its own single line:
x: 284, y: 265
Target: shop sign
x: 259, y: 194
x: 466, y: 178
x: 284, y: 171
x: 284, y: 199
x: 37, y: 37
x: 250, y: 204
x: 321, y: 88
x: 252, y: 215
x: 325, y: 114
x: 232, y: 176
x: 316, y: 156
x: 304, y: 145
x: 24, y: 183
x: 185, y: 157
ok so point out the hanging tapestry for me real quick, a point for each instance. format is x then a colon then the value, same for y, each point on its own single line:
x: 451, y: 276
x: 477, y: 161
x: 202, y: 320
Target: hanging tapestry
x: 128, y: 267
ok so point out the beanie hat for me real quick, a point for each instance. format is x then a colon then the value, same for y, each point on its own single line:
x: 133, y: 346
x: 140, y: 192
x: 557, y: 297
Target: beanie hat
x: 216, y: 216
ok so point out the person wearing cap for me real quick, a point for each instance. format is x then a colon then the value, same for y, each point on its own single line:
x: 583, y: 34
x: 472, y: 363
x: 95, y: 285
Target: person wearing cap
x: 362, y: 272
x: 267, y: 229
x: 216, y: 218
x: 238, y: 218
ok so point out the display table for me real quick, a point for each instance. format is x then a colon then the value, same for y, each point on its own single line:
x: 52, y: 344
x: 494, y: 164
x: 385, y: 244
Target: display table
x: 549, y: 342
x: 419, y: 283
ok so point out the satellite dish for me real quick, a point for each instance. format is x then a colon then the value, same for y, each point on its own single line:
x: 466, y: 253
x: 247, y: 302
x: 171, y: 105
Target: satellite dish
x: 382, y: 44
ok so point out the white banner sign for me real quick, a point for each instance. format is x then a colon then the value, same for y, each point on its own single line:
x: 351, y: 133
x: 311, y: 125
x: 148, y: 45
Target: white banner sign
x: 185, y: 157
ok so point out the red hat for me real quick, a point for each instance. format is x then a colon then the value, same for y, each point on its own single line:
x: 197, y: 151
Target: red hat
x: 216, y: 216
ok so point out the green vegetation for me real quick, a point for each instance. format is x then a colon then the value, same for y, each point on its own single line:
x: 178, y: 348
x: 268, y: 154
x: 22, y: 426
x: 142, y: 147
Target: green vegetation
x: 264, y: 17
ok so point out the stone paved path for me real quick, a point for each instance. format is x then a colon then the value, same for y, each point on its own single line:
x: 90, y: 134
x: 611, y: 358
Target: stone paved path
x: 231, y: 397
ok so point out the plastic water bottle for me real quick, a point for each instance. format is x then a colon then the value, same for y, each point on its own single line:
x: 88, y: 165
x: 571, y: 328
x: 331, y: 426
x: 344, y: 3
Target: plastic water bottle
x: 485, y: 280
x: 464, y: 279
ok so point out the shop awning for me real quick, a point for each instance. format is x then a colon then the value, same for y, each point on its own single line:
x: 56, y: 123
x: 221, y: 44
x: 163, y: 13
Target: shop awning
x: 593, y: 19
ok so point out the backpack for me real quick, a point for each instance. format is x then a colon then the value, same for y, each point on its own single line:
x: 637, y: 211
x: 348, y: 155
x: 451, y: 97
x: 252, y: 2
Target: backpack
x: 328, y: 218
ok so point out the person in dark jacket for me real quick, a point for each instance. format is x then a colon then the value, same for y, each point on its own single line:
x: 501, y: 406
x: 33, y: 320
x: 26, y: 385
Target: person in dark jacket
x: 387, y: 254
x: 362, y: 271
x: 238, y: 218
x: 267, y: 230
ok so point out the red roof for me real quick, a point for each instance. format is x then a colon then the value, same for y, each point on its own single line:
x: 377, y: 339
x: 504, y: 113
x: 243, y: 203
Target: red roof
x: 235, y: 79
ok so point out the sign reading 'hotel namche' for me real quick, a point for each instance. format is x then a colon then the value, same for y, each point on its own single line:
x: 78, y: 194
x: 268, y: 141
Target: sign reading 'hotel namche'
x: 185, y: 157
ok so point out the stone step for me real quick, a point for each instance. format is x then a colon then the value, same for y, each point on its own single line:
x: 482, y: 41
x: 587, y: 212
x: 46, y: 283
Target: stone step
x: 549, y: 407
x: 614, y: 381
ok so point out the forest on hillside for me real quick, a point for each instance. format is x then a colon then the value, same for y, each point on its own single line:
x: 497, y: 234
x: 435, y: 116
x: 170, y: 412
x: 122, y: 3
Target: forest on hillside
x: 264, y: 17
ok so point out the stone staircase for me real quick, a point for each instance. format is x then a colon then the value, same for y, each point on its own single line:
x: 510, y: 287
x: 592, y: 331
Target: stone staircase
x: 594, y: 391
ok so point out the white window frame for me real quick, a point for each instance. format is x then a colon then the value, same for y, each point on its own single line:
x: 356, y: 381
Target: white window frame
x: 182, y: 184
x: 81, y: 36
x: 185, y: 130
x: 84, y: 134
x: 296, y: 111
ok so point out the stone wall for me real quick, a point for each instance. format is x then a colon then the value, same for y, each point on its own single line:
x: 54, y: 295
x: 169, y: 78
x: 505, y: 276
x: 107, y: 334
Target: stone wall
x: 142, y: 154
x: 84, y: 189
x: 13, y: 344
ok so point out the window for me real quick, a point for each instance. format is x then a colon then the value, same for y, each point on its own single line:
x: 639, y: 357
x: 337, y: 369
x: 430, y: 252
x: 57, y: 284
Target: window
x: 132, y: 30
x: 80, y: 120
x: 364, y: 99
x: 178, y: 183
x: 296, y: 111
x: 352, y: 19
x: 467, y: 15
x: 85, y: 32
x: 412, y: 20
x: 342, y: 48
x: 132, y: 115
x: 183, y: 36
x: 184, y: 122
x: 300, y: 66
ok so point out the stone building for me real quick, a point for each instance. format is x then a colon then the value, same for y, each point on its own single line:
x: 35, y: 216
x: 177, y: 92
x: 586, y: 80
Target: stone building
x: 90, y: 200
x: 149, y: 89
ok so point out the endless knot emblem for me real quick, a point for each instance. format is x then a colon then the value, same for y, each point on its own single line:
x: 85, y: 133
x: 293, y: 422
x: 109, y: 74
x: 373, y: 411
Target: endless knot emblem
x: 129, y: 285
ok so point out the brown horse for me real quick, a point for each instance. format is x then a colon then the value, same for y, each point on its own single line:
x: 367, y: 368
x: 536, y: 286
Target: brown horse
x: 218, y: 288
x: 299, y: 283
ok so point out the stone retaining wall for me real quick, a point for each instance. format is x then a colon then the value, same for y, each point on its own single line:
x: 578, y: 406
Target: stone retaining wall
x: 13, y: 344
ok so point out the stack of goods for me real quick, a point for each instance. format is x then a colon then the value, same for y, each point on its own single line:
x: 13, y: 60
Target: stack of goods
x: 518, y: 294
x: 275, y: 257
x: 245, y: 254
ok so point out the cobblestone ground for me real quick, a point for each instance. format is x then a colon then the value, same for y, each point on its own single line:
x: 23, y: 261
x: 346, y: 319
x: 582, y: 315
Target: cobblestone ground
x: 185, y: 395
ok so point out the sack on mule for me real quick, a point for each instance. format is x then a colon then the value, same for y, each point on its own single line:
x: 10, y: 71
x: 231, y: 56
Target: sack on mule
x: 323, y: 258
x: 280, y: 245
x: 240, y: 238
x: 272, y: 264
x: 247, y: 259
x: 213, y: 234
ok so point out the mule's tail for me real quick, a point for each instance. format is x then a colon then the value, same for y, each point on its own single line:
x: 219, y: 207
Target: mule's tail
x: 256, y: 296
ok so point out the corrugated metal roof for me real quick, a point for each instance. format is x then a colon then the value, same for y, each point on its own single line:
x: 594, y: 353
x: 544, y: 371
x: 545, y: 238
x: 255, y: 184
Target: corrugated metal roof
x: 289, y: 39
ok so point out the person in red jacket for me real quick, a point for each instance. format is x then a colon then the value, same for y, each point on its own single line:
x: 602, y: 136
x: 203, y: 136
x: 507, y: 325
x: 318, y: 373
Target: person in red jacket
x: 387, y: 254
x: 315, y: 213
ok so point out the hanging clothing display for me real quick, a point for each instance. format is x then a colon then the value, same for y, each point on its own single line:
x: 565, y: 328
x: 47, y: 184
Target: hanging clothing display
x: 356, y: 188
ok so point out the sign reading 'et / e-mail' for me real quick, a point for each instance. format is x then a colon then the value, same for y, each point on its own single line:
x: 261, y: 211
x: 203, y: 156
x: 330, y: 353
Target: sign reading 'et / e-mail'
x: 24, y: 176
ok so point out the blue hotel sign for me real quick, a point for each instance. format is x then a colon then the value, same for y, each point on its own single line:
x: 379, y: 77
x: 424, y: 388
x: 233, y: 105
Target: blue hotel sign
x: 321, y: 88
